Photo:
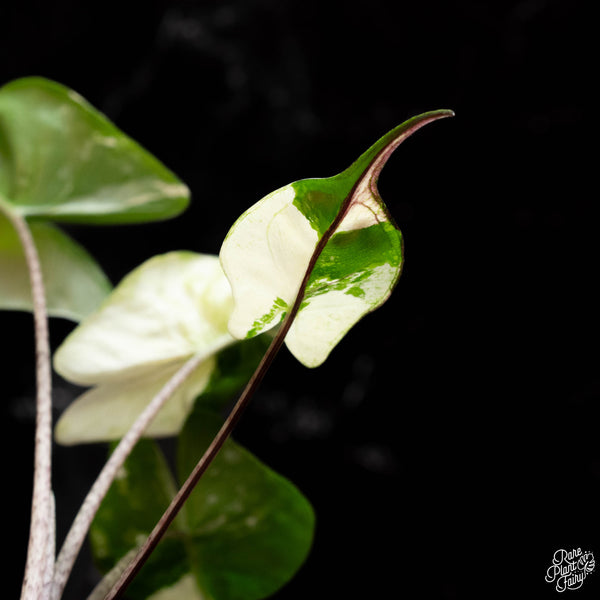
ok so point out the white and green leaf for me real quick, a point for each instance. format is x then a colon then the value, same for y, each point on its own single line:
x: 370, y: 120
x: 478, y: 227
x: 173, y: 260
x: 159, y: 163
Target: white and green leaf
x: 172, y: 307
x: 326, y: 248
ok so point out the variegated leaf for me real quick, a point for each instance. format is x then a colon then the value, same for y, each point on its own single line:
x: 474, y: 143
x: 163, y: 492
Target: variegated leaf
x: 328, y: 246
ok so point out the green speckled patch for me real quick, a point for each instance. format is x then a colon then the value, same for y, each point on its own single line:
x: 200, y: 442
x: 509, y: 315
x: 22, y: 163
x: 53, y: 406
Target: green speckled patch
x: 280, y: 306
x: 356, y: 291
x: 350, y: 258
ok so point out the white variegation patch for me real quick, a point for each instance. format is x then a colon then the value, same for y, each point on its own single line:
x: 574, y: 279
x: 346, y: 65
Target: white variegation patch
x: 362, y: 214
x: 169, y: 309
x: 184, y: 589
x: 319, y: 326
x: 326, y: 318
x: 106, y: 412
x: 265, y: 257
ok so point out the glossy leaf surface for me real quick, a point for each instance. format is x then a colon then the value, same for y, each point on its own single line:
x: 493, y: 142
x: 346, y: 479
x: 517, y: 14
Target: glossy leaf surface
x: 63, y: 160
x: 172, y: 307
x: 329, y: 242
x: 74, y: 283
x: 242, y: 534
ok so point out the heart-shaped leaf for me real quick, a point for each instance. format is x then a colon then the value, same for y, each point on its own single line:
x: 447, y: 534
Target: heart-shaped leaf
x: 63, y: 160
x: 241, y: 535
x: 74, y: 284
x: 329, y: 243
x: 172, y: 307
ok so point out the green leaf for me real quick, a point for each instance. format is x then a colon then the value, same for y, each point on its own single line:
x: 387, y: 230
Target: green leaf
x: 63, y: 160
x: 250, y: 528
x: 241, y: 535
x: 172, y: 307
x: 74, y: 284
x: 330, y: 243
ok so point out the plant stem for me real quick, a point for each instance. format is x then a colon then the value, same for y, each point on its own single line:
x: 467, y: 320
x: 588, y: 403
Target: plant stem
x: 51, y: 550
x: 155, y: 536
x: 105, y: 584
x: 85, y: 516
x: 367, y: 182
x: 40, y: 551
x: 161, y: 527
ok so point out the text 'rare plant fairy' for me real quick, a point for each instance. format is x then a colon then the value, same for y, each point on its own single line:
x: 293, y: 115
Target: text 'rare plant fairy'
x: 166, y: 351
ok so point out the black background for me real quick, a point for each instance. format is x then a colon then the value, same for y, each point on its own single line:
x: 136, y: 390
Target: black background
x: 449, y: 444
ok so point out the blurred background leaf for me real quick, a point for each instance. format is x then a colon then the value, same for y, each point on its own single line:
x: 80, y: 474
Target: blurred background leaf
x: 64, y: 160
x: 243, y: 533
x: 75, y: 285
